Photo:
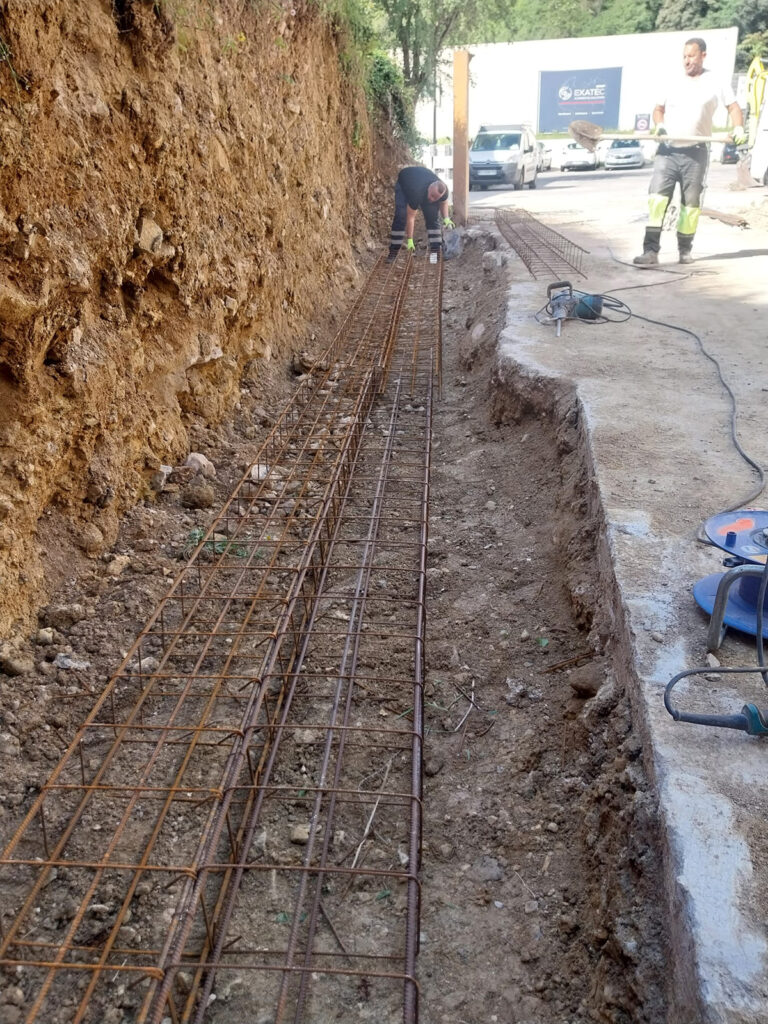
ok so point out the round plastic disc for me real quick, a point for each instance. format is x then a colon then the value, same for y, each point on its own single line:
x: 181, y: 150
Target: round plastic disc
x: 739, y: 613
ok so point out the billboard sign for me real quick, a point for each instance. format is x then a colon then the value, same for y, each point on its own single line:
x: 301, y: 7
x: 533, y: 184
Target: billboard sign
x: 589, y: 95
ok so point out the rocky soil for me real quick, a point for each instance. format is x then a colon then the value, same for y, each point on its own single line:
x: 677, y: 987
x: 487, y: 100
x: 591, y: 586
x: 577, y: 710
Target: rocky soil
x: 540, y: 860
x: 182, y: 187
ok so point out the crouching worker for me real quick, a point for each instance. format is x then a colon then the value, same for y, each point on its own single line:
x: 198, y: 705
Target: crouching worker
x: 417, y: 189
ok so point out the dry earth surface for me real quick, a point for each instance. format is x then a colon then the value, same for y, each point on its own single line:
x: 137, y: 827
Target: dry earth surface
x: 540, y: 866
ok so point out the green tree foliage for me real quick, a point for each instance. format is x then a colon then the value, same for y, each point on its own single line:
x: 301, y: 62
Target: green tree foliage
x: 749, y: 16
x: 387, y: 91
x: 678, y: 15
x: 625, y: 17
x: 359, y: 26
x: 753, y: 45
x: 419, y: 29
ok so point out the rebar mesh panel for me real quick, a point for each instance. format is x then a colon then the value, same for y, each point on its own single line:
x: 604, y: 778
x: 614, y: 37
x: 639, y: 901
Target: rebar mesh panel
x: 212, y: 821
x: 544, y: 251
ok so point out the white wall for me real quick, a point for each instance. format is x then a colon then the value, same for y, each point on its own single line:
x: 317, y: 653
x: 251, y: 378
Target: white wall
x: 504, y: 77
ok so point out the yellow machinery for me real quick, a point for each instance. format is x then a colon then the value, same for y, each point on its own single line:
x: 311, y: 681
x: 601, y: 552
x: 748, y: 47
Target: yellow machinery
x: 757, y: 120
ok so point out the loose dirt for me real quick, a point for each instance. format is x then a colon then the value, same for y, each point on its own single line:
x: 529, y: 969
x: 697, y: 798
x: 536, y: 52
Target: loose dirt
x: 541, y: 871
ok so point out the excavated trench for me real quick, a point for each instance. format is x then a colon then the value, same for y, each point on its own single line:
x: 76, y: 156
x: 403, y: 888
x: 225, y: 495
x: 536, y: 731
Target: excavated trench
x: 540, y: 856
x: 543, y: 870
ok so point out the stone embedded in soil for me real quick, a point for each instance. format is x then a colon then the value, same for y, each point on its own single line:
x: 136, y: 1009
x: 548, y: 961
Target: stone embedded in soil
x: 181, y: 474
x: 487, y: 869
x: 9, y: 745
x: 160, y: 478
x: 149, y: 235
x: 433, y: 766
x: 145, y: 665
x: 307, y: 737
x: 201, y: 465
x: 63, y: 616
x: 586, y: 680
x: 118, y: 564
x: 91, y: 539
x: 14, y: 663
x: 70, y: 663
x: 198, y: 494
x: 14, y: 995
x: 300, y: 835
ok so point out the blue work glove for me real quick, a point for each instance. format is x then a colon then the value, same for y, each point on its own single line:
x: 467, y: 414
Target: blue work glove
x: 448, y: 223
x: 660, y: 129
x: 409, y: 245
x: 739, y: 136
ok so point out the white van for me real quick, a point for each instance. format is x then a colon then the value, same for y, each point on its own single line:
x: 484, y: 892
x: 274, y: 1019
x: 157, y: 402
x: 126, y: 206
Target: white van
x: 503, y: 154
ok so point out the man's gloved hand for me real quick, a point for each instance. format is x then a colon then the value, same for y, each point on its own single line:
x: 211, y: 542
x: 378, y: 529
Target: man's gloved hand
x: 739, y: 136
x: 660, y: 129
x: 409, y: 245
x: 448, y: 223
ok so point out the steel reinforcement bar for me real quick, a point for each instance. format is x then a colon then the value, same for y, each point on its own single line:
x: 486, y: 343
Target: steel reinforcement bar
x: 544, y: 251
x: 250, y: 777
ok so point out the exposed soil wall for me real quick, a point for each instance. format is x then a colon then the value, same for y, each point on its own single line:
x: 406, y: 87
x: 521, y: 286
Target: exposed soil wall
x: 182, y: 189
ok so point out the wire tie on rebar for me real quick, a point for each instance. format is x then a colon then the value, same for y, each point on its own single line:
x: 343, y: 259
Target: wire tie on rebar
x: 213, y: 794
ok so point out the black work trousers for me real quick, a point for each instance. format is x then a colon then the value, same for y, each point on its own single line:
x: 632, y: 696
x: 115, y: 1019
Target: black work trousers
x: 431, y: 219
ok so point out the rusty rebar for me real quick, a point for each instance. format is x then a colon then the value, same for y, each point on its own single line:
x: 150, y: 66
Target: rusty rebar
x: 544, y: 251
x: 163, y: 788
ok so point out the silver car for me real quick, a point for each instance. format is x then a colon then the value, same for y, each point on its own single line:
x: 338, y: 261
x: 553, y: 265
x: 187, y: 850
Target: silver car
x: 503, y: 155
x: 624, y: 153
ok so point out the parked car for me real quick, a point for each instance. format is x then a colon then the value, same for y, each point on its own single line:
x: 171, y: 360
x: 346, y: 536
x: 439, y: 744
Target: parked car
x: 544, y: 156
x: 577, y: 158
x: 624, y: 153
x: 730, y: 154
x: 503, y: 155
x: 601, y: 149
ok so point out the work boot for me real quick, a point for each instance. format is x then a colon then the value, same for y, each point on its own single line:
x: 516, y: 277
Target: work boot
x: 433, y: 257
x: 392, y: 255
x: 685, y: 257
x: 648, y: 259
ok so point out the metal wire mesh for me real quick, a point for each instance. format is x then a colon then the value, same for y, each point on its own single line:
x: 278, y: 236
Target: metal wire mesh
x: 250, y: 777
x: 544, y: 251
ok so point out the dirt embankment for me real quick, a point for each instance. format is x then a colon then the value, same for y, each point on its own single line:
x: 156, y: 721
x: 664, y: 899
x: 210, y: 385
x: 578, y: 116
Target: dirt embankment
x: 182, y: 189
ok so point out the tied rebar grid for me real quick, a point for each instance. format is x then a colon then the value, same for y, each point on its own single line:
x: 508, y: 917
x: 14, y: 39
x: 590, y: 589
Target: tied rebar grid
x: 544, y: 251
x: 250, y: 779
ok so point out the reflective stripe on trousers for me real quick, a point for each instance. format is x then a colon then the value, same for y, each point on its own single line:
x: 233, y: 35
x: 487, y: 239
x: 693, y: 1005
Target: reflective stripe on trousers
x: 397, y: 233
x: 688, y: 167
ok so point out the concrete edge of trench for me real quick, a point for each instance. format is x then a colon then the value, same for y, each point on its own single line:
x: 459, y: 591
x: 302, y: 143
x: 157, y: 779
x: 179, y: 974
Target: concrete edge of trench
x: 707, y: 781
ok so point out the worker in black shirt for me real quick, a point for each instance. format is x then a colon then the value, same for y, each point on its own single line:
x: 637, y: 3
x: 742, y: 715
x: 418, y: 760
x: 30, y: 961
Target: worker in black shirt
x: 418, y: 188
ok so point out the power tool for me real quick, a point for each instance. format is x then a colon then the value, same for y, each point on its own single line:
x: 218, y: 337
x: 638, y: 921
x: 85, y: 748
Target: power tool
x: 565, y: 304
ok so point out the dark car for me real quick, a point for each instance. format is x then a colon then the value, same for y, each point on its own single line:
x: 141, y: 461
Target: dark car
x: 730, y: 154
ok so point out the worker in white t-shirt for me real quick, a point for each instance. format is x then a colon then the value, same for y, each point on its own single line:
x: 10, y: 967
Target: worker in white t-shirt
x: 685, y: 110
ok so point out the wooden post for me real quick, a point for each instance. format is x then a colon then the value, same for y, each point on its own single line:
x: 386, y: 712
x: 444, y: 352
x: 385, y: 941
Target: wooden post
x: 461, y: 59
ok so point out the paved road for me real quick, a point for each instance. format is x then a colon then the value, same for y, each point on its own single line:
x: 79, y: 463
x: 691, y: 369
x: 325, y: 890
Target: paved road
x: 558, y: 190
x: 613, y: 205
